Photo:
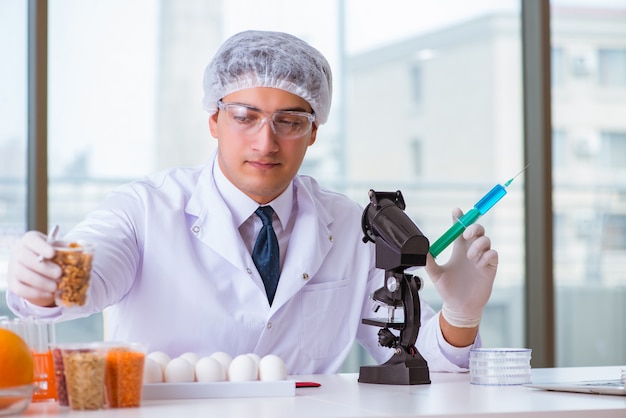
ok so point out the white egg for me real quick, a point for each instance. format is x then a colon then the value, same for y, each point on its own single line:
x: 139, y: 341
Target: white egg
x: 271, y: 368
x: 160, y: 357
x: 208, y: 369
x: 190, y: 357
x: 179, y: 370
x: 224, y: 359
x: 243, y: 368
x: 152, y: 372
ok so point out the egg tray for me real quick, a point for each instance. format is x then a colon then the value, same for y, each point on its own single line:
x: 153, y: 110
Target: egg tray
x: 227, y: 389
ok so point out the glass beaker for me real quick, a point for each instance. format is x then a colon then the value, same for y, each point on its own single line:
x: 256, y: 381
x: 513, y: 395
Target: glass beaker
x: 39, y: 335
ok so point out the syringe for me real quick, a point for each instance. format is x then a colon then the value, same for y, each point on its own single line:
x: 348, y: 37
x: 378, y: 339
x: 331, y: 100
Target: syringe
x: 480, y: 208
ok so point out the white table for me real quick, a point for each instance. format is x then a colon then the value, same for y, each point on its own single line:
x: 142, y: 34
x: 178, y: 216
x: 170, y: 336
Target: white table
x: 341, y: 396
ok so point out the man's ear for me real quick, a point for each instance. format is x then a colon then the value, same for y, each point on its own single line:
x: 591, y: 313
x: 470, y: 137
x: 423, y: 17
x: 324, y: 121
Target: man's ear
x: 313, y: 134
x: 213, y: 124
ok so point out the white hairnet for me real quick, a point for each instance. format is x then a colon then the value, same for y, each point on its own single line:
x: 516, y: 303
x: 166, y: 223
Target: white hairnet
x: 269, y: 59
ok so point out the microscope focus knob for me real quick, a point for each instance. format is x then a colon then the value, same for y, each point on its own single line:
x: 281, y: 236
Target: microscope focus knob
x: 386, y: 338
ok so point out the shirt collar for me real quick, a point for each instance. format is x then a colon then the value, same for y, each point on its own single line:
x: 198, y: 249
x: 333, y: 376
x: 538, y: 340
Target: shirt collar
x: 242, y: 206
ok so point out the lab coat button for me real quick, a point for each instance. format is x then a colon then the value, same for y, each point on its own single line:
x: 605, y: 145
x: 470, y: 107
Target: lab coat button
x: 305, y: 276
x: 249, y: 270
x: 195, y: 229
x: 269, y: 325
x: 330, y: 238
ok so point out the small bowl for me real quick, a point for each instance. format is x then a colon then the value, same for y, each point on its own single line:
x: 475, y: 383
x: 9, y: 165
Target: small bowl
x: 15, y: 400
x: 500, y: 366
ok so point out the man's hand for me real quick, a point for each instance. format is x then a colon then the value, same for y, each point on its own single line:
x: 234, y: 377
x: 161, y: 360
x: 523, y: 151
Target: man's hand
x: 31, y: 274
x: 464, y: 283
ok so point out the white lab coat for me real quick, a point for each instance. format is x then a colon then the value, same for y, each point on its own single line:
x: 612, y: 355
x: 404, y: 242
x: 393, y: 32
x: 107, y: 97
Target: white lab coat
x: 172, y: 271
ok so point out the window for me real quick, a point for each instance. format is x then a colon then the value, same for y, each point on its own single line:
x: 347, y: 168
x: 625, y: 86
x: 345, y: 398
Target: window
x: 615, y: 232
x: 613, y: 151
x: 418, y: 157
x: 588, y: 192
x: 13, y: 135
x: 559, y: 148
x: 612, y: 67
x: 416, y: 84
x: 558, y: 66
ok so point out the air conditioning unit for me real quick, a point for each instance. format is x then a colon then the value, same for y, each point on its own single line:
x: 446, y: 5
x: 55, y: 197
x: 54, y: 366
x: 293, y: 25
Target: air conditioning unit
x: 583, y: 63
x: 586, y: 146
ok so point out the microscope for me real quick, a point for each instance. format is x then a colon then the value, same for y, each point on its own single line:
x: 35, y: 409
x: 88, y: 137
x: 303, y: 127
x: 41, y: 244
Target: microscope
x: 399, y: 245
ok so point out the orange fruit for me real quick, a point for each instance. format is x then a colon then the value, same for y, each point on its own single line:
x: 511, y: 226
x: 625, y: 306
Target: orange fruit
x: 16, y: 363
x: 16, y: 360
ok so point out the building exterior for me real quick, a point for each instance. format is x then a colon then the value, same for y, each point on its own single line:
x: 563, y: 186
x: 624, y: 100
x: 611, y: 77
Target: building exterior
x: 441, y: 115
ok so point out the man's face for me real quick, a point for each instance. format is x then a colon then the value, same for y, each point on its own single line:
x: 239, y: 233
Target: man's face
x: 263, y: 164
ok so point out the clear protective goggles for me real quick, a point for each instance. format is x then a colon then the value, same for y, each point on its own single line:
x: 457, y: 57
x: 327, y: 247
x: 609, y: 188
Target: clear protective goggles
x: 287, y: 124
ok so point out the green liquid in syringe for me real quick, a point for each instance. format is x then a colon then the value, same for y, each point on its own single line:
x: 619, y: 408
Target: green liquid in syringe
x: 480, y: 208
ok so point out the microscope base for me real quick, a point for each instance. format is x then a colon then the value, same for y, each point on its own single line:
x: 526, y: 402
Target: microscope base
x: 395, y: 374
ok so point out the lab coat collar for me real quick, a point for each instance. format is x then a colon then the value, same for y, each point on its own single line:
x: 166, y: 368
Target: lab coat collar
x: 212, y: 221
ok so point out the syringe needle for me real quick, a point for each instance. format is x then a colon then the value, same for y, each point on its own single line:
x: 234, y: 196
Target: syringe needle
x: 513, y: 178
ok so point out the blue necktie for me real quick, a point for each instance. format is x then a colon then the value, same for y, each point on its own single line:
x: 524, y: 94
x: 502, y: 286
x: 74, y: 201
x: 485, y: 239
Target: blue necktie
x: 265, y: 254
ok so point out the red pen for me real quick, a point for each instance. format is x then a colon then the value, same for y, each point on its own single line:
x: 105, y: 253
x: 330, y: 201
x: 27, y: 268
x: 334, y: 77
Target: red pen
x: 307, y: 385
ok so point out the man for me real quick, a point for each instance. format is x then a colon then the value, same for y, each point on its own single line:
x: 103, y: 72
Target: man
x: 176, y: 261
